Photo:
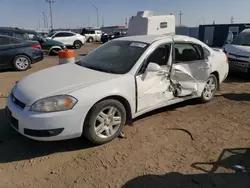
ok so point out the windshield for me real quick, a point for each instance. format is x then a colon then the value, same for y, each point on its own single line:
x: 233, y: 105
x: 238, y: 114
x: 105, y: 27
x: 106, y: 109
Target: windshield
x: 50, y: 34
x: 117, y: 57
x: 243, y: 39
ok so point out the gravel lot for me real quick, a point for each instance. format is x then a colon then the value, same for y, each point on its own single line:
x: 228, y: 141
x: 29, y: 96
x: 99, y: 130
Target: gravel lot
x: 185, y: 145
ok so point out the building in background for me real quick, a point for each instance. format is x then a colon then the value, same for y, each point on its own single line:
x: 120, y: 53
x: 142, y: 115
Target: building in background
x: 215, y: 35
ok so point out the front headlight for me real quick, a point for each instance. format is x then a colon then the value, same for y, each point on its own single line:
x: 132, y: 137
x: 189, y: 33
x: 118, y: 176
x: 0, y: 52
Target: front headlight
x: 54, y: 104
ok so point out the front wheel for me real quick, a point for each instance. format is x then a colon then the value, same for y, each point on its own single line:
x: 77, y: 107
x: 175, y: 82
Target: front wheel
x: 210, y: 89
x: 105, y: 121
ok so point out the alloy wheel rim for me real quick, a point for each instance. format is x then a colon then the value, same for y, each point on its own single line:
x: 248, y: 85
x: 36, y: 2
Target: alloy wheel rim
x: 107, y: 122
x: 209, y: 89
x: 22, y: 63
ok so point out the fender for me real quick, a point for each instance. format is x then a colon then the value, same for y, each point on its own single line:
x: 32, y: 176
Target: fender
x: 54, y: 47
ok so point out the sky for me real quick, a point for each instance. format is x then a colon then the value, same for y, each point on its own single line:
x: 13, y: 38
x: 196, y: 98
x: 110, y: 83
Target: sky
x: 81, y: 13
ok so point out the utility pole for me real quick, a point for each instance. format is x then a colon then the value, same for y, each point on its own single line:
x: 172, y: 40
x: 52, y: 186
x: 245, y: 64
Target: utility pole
x: 44, y: 20
x: 102, y: 21
x: 232, y: 20
x: 39, y: 25
x: 50, y: 8
x: 88, y: 21
x: 126, y: 22
x: 97, y: 14
x: 180, y: 16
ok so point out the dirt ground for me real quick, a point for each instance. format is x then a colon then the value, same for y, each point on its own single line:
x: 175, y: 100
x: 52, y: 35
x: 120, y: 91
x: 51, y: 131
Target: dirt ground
x: 185, y: 145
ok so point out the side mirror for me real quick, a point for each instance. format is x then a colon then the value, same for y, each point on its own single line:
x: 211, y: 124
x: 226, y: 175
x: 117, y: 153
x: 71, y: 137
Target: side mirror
x: 153, y: 67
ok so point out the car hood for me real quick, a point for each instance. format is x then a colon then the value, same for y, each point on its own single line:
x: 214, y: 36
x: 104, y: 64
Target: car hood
x: 58, y: 80
x: 238, y: 50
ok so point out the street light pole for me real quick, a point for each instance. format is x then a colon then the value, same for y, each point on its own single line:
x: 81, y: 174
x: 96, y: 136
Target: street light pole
x: 97, y: 14
x: 50, y: 7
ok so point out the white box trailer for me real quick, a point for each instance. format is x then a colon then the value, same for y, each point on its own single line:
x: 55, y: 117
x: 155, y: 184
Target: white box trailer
x: 145, y: 23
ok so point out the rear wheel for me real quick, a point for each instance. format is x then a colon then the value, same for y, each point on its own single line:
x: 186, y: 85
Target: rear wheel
x: 210, y: 89
x: 91, y: 39
x: 77, y: 44
x: 21, y: 63
x: 105, y: 121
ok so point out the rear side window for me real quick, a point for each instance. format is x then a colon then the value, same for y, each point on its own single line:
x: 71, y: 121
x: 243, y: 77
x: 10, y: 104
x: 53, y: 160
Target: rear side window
x: 185, y: 52
x: 4, y: 41
x: 15, y: 41
x: 5, y: 33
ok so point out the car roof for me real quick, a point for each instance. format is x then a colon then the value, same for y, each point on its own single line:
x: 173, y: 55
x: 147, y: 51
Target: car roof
x: 10, y: 37
x: 152, y: 38
x: 10, y: 29
x: 64, y: 32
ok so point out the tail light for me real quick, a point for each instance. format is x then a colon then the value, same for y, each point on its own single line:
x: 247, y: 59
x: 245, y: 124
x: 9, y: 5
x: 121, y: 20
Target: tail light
x: 36, y: 46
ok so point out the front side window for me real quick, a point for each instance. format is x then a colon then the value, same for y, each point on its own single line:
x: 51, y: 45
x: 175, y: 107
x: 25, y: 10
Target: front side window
x: 51, y: 34
x: 117, y: 57
x: 243, y: 39
x: 185, y: 52
x: 60, y: 35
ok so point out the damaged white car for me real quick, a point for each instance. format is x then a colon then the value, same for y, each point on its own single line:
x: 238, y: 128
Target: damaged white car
x: 117, y: 82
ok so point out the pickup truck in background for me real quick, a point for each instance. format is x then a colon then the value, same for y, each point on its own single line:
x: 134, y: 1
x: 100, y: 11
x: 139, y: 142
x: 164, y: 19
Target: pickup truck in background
x: 92, y: 35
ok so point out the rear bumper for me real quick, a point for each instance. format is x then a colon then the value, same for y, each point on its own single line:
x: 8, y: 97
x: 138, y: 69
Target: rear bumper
x: 38, y: 58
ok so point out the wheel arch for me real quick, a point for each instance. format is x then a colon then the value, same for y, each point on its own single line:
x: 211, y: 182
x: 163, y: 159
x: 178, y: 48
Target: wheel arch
x: 122, y: 100
x: 54, y: 47
x: 216, y: 74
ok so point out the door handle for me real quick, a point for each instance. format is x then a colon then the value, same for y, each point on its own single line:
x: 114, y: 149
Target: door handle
x: 204, y: 68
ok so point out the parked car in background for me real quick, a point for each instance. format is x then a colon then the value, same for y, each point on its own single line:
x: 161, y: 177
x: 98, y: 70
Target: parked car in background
x: 92, y: 35
x: 18, y: 54
x: 49, y: 46
x: 14, y: 32
x: 119, y: 81
x: 238, y: 51
x: 115, y: 34
x: 68, y: 38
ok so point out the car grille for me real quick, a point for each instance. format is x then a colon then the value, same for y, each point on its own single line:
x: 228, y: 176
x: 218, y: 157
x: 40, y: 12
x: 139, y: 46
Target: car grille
x: 17, y: 102
x: 238, y: 60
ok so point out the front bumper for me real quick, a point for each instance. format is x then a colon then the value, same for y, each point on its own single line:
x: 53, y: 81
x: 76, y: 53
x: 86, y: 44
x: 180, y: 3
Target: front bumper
x: 236, y: 65
x: 45, y: 126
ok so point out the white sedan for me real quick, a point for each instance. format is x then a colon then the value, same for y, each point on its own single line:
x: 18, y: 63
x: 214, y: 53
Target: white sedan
x: 115, y: 83
x: 68, y: 38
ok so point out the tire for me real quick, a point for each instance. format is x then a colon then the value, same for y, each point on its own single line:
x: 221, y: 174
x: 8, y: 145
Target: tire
x: 77, y: 44
x: 210, y: 89
x: 96, y: 126
x: 55, y: 51
x: 21, y: 63
x: 90, y: 39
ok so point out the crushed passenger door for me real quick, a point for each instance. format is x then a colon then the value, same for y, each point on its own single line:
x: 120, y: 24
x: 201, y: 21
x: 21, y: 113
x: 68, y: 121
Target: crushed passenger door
x: 190, y: 70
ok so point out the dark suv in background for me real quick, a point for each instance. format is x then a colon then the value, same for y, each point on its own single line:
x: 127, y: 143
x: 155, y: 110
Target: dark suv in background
x: 116, y: 33
x: 48, y: 46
